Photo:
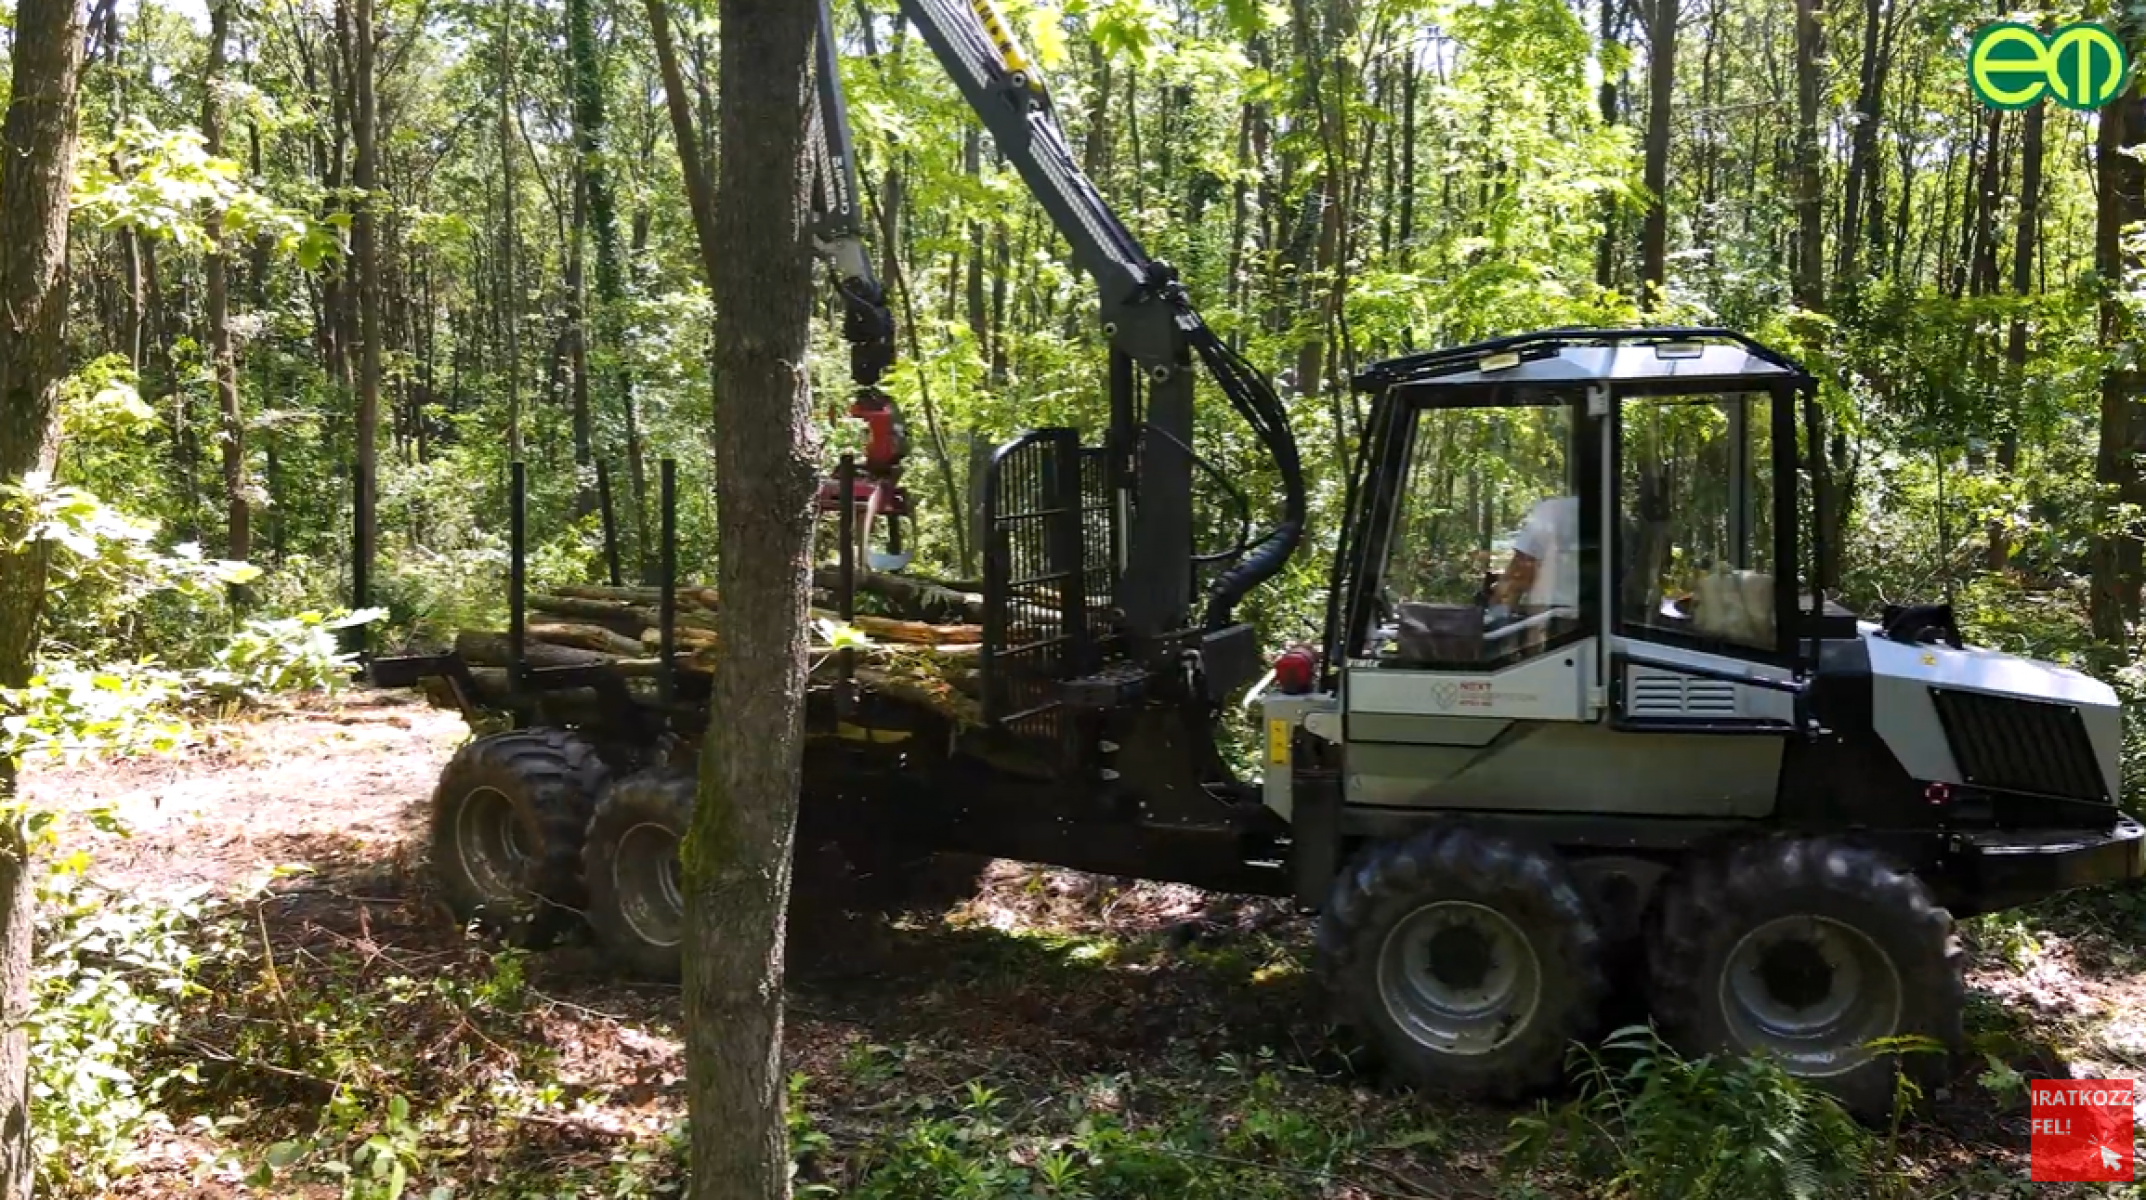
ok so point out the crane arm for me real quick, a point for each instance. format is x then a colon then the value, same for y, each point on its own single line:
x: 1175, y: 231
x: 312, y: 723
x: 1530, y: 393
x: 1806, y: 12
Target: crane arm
x: 1153, y: 330
x: 838, y: 224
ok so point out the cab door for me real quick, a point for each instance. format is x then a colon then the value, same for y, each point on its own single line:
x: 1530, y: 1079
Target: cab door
x: 1699, y: 634
x: 1486, y: 610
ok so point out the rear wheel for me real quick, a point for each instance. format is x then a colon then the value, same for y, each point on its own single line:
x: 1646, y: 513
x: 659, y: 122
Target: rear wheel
x: 507, y: 818
x: 1468, y: 962
x: 1807, y: 951
x: 636, y: 898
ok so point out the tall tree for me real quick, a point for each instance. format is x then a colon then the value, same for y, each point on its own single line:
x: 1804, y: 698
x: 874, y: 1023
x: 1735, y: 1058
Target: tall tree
x: 591, y: 139
x: 1661, y: 99
x: 223, y: 364
x: 692, y: 155
x: 36, y: 175
x: 366, y: 243
x: 2025, y: 230
x: 2121, y: 203
x: 737, y: 853
x: 1861, y: 186
x: 1609, y: 54
x: 510, y: 297
x: 1810, y: 288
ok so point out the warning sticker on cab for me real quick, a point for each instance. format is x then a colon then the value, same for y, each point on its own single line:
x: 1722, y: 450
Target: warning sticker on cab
x: 1278, y: 733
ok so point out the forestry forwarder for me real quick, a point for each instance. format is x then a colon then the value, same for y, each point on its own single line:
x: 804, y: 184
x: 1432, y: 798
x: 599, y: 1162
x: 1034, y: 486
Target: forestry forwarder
x: 1579, y: 711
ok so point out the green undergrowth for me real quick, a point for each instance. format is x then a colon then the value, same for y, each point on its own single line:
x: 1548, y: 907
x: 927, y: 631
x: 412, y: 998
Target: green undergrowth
x: 329, y: 1041
x: 110, y: 972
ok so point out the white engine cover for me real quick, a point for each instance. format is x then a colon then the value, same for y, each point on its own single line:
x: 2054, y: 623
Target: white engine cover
x: 1905, y: 717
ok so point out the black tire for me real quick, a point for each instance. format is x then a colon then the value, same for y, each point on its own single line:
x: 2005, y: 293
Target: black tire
x: 1387, y: 942
x: 630, y: 860
x: 507, y: 818
x: 1749, y: 942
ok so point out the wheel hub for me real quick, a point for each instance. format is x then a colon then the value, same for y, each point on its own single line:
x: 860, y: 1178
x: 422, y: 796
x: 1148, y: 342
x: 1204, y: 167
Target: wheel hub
x: 1796, y: 973
x: 488, y: 843
x: 1459, y: 977
x: 1461, y: 957
x: 644, y: 876
x: 1811, y: 991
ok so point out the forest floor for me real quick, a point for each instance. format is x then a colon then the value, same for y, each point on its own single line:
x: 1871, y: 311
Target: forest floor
x: 1048, y: 1023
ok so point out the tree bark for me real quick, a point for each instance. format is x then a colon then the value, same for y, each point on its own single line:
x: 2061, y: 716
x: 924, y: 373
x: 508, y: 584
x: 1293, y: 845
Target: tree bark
x: 2015, y: 346
x: 1661, y: 97
x: 2114, y: 600
x: 37, y: 146
x: 223, y: 364
x: 692, y: 154
x: 1810, y: 286
x: 737, y: 853
x: 510, y: 288
x: 365, y: 176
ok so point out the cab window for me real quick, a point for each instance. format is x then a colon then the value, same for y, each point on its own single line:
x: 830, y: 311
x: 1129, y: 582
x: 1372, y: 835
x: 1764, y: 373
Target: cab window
x: 1696, y: 492
x: 1483, y: 565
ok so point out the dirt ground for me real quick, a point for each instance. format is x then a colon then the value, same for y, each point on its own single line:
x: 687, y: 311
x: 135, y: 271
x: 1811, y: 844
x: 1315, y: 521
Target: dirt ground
x: 1047, y: 983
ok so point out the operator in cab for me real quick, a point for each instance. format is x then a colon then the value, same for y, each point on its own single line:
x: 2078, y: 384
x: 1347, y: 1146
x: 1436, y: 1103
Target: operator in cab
x: 1544, y: 571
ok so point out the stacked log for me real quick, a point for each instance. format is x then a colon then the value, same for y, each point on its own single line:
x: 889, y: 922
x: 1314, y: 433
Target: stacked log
x: 924, y: 649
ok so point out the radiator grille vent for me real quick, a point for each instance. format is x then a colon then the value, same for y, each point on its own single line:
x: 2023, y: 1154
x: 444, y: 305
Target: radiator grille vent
x: 2011, y: 745
x: 1663, y: 695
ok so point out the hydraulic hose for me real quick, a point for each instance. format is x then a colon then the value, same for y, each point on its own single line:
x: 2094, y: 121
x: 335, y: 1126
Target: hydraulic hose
x: 1256, y: 402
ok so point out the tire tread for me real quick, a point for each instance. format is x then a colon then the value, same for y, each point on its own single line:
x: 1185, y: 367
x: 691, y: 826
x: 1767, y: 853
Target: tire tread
x: 1697, y: 921
x: 1388, y: 880
x: 555, y: 774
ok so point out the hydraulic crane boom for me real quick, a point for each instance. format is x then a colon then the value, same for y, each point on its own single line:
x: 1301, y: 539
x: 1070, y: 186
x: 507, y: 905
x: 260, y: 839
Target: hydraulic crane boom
x: 1152, y: 328
x: 867, y: 322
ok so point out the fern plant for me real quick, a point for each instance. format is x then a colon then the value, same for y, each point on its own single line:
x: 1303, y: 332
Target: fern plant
x: 1651, y: 1124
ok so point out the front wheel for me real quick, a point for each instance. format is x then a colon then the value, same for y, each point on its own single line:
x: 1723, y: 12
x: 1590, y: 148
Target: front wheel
x: 1807, y: 951
x: 630, y: 858
x: 1468, y: 962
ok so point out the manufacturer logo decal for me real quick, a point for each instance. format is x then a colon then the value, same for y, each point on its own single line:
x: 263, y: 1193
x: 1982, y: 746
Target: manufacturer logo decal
x: 2082, y: 65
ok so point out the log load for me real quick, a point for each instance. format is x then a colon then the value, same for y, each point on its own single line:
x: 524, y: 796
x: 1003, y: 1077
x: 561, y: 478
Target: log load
x: 925, y: 649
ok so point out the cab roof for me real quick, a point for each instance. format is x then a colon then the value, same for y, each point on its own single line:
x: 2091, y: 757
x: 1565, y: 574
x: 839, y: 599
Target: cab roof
x: 1576, y: 357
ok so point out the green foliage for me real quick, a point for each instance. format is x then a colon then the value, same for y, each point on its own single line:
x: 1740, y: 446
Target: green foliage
x: 371, y: 1041
x: 271, y: 656
x: 2005, y: 935
x: 165, y: 185
x: 70, y: 714
x: 112, y: 968
x: 1653, y: 1125
x: 1253, y: 1143
x: 108, y: 579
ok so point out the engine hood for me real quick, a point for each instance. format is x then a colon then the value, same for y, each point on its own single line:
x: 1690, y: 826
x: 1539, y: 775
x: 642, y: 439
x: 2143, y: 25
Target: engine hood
x: 1981, y: 717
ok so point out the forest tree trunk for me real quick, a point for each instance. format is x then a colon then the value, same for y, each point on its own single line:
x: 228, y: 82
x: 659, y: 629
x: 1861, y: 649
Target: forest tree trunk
x: 1810, y: 286
x: 737, y: 853
x: 692, y: 158
x: 605, y: 319
x: 1661, y: 97
x: 510, y: 297
x: 1861, y: 188
x: 1606, y: 97
x: 2024, y: 232
x: 223, y: 364
x: 366, y: 242
x: 2114, y: 600
x: 38, y: 137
